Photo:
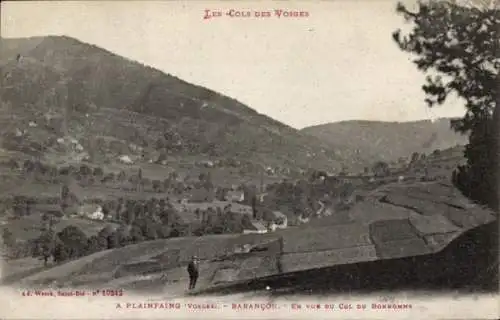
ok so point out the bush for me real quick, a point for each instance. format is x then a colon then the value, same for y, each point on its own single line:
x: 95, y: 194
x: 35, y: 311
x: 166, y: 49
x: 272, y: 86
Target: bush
x: 12, y: 164
x: 98, y: 172
x: 157, y: 186
x: 110, y: 177
x: 85, y: 171
x: 122, y: 177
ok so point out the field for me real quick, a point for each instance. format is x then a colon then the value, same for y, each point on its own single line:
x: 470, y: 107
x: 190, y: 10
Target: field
x: 222, y: 177
x: 30, y: 227
x: 43, y: 191
x: 102, y: 265
x: 365, y: 234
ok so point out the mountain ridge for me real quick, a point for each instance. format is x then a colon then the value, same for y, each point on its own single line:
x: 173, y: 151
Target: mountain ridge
x: 115, y: 98
x: 85, y: 76
x: 389, y: 140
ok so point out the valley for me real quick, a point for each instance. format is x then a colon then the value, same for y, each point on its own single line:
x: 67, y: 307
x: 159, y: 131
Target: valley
x: 115, y: 174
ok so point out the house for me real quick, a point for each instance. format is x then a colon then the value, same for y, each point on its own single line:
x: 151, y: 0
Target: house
x: 303, y: 220
x: 20, y: 133
x: 327, y: 211
x: 241, y: 209
x: 270, y: 171
x: 125, y: 159
x: 281, y: 221
x: 97, y: 215
x: 81, y: 157
x: 234, y: 196
x: 245, y: 248
x: 261, y: 196
x: 91, y: 211
x: 256, y: 227
x: 207, y: 163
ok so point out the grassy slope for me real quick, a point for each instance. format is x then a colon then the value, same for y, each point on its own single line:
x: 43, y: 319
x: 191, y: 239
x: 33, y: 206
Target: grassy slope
x: 310, y: 238
x: 133, y: 102
x: 128, y: 101
x: 388, y: 140
x: 31, y: 227
x: 103, y: 264
x: 437, y: 163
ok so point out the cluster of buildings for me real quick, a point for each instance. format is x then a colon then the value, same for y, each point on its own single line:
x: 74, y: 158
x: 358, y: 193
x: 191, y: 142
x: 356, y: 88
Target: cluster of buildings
x: 260, y: 226
x: 194, y: 211
x: 201, y: 199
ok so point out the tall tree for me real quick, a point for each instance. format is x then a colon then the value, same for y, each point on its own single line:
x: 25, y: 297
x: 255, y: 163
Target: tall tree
x: 380, y: 169
x: 456, y: 45
x: 136, y: 235
x: 74, y: 240
x: 65, y: 199
x: 19, y: 206
x: 123, y: 234
x: 8, y: 238
x: 103, y: 237
x: 46, y: 242
x: 93, y: 245
x: 140, y: 181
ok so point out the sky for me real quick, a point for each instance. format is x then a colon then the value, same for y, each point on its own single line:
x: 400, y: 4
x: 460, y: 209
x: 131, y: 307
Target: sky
x: 337, y: 63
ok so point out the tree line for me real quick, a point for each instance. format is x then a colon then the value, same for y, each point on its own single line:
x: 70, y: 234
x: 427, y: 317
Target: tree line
x: 136, y: 221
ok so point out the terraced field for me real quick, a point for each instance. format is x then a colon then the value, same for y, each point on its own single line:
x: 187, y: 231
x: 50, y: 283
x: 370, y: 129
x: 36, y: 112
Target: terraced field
x: 389, y: 225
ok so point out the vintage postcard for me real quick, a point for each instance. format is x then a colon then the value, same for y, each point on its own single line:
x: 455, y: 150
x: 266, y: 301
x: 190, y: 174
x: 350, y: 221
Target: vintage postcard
x: 249, y: 160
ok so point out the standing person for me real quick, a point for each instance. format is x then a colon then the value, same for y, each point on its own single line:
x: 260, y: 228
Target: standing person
x: 192, y: 269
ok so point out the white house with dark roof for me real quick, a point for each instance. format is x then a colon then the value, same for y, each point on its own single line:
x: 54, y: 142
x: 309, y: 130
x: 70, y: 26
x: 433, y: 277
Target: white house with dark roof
x: 256, y: 227
x: 91, y: 211
x: 281, y: 221
x: 234, y: 196
x: 302, y: 219
x: 125, y: 159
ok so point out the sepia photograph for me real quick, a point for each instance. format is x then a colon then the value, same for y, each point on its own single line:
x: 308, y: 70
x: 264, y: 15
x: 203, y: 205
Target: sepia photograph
x: 249, y: 159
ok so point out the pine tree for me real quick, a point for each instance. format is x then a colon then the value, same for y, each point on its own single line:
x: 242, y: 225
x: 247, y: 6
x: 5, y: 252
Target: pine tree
x: 457, y: 46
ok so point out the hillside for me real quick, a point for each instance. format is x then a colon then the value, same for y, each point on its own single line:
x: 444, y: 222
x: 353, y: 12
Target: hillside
x: 388, y: 141
x: 121, y: 102
x: 420, y: 229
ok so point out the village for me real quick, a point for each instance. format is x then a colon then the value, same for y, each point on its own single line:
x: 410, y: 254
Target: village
x: 171, y: 175
x: 112, y: 209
